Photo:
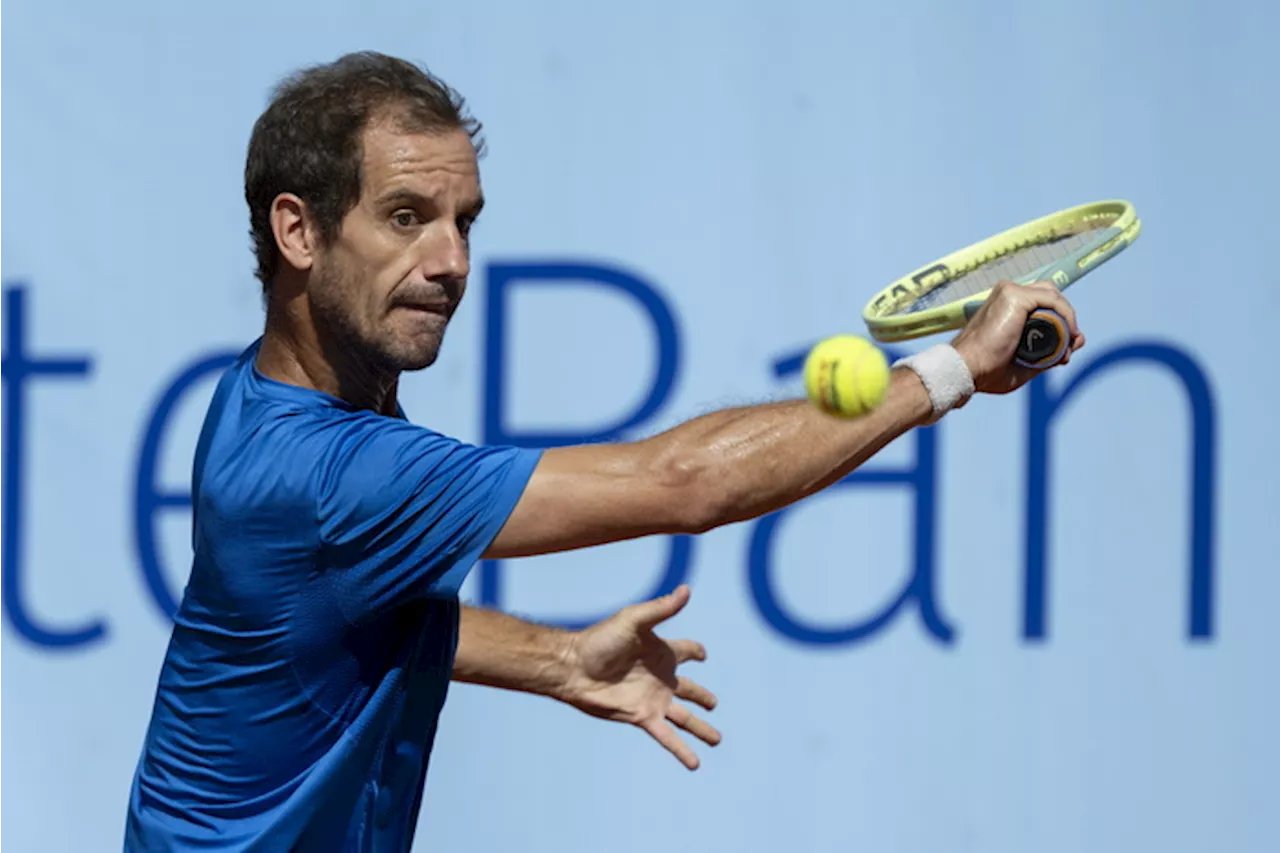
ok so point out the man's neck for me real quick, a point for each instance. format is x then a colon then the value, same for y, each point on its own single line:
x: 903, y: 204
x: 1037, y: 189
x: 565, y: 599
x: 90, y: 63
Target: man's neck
x: 308, y: 361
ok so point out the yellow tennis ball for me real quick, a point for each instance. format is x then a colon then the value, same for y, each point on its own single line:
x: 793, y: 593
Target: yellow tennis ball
x: 846, y: 376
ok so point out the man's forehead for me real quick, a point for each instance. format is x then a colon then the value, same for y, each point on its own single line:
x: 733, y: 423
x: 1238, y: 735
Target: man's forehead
x: 435, y: 159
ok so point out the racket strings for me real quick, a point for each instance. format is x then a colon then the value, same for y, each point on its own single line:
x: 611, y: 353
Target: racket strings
x: 1021, y: 262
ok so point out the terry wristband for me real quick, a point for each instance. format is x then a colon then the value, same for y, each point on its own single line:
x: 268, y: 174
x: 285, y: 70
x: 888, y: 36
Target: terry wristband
x: 944, y: 375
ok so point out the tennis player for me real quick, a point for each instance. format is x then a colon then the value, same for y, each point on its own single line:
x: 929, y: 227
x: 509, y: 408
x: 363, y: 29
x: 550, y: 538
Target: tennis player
x: 298, y: 699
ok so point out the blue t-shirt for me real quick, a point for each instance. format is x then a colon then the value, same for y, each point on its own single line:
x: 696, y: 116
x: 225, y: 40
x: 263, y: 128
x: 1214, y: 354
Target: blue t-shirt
x: 312, y: 652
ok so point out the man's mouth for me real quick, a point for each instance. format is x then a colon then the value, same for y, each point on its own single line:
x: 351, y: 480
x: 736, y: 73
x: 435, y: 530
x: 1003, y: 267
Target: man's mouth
x: 442, y: 308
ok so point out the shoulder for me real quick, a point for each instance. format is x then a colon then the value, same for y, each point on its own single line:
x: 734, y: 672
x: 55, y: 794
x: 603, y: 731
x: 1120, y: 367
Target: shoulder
x: 263, y: 441
x: 378, y: 453
x: 373, y: 463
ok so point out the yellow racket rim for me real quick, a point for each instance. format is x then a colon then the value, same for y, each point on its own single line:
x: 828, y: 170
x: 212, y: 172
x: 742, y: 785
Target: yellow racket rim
x: 1119, y: 226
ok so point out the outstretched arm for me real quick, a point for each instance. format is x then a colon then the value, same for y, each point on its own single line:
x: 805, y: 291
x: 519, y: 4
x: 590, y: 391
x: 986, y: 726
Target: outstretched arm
x: 723, y: 467
x: 742, y: 463
x: 617, y: 669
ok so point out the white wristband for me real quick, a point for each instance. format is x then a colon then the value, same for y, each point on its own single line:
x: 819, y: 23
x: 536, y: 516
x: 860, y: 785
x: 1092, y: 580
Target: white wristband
x: 944, y: 375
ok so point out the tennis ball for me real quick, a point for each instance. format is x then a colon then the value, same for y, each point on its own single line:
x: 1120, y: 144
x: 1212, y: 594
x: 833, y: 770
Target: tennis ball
x: 846, y: 376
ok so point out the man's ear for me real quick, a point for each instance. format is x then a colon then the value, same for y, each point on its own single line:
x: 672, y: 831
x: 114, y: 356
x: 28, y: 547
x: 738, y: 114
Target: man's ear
x: 295, y: 236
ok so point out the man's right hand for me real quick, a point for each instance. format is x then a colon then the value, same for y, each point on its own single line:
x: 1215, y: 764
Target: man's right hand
x: 988, y: 343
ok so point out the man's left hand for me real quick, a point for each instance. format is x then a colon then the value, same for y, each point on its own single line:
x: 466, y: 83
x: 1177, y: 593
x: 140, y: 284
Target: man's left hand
x: 620, y: 670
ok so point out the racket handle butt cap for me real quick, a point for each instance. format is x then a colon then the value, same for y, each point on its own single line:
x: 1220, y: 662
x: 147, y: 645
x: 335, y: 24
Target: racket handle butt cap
x: 1045, y: 339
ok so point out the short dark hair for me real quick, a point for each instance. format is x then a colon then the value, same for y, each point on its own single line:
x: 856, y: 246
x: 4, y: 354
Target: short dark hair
x: 308, y: 140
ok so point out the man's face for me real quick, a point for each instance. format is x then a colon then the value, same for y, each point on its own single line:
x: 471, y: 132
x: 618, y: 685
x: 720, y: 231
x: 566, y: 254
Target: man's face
x: 395, y: 273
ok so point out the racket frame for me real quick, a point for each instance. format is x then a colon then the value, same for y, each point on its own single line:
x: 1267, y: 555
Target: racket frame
x: 885, y: 325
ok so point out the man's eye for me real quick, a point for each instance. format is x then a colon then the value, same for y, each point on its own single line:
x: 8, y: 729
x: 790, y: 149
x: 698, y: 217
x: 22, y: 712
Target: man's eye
x: 406, y: 218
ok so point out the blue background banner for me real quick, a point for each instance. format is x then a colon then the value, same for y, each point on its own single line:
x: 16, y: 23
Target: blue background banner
x: 1043, y: 624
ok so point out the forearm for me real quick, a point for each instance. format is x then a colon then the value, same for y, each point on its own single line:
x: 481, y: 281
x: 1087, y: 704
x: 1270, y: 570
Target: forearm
x: 498, y: 650
x: 750, y: 461
x: 716, y: 469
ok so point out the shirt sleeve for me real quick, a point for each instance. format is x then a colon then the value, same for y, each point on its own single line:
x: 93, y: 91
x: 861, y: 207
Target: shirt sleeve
x: 405, y: 512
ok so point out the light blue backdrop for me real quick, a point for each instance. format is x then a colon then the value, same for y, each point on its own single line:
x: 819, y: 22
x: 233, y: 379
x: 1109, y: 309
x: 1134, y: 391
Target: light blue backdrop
x: 761, y: 169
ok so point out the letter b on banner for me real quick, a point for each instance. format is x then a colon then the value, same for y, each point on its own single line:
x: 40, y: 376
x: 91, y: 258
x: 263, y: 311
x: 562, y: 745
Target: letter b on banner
x: 921, y: 480
x: 503, y: 279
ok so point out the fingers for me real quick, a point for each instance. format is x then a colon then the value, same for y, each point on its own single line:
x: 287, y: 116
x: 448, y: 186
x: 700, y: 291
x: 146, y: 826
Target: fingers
x: 989, y: 341
x: 665, y: 735
x: 686, y: 650
x: 695, y: 726
x: 649, y: 613
x: 1045, y: 295
x: 1026, y: 298
x: 1042, y: 294
x: 1076, y: 343
x: 692, y: 691
x: 1046, y: 291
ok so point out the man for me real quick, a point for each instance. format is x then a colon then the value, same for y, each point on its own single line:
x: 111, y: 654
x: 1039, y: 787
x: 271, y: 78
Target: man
x: 298, y: 700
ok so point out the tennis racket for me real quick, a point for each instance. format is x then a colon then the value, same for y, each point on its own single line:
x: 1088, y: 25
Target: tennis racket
x: 1061, y: 248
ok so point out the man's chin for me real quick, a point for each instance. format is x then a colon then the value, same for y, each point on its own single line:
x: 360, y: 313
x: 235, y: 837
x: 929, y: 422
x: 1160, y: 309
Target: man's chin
x: 417, y: 356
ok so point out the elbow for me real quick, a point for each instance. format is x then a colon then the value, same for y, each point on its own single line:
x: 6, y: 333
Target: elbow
x: 694, y: 493
x: 700, y: 514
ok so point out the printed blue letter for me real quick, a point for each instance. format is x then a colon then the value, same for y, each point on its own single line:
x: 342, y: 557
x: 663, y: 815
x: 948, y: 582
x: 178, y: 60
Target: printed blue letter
x: 147, y: 498
x: 502, y: 280
x: 1042, y: 408
x: 19, y: 369
x: 922, y: 479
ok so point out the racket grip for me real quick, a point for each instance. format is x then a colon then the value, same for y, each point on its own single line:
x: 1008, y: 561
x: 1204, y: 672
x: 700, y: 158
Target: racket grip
x: 1044, y: 341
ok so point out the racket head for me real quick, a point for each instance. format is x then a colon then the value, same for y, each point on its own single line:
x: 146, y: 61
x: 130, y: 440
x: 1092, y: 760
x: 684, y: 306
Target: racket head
x: 1061, y: 247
